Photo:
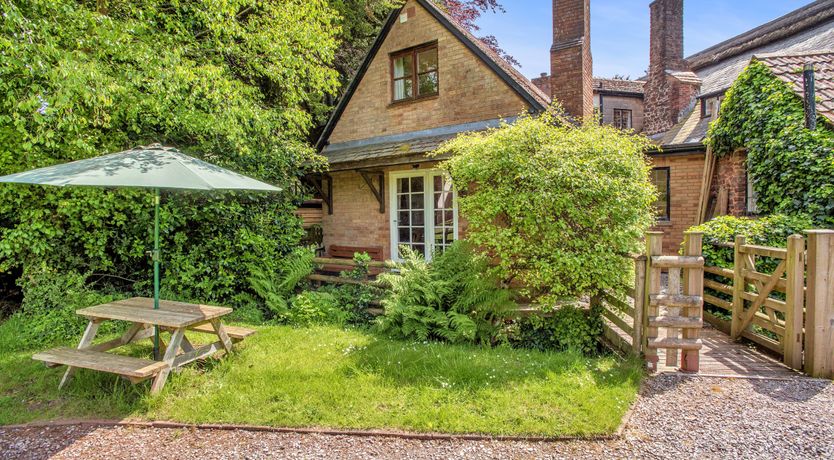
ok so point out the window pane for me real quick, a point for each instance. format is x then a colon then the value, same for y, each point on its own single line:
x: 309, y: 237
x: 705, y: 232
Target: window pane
x: 417, y: 201
x: 405, y: 235
x: 418, y: 218
x: 428, y: 83
x: 427, y: 60
x: 403, y: 202
x: 402, y: 66
x: 438, y: 218
x: 402, y: 185
x: 403, y: 89
x: 660, y: 179
x: 418, y: 235
x: 403, y: 218
x: 416, y: 184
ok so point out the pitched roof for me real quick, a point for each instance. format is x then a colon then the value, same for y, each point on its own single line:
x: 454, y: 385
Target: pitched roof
x: 518, y: 82
x: 692, y: 130
x: 618, y: 85
x: 789, y: 69
x: 779, y: 29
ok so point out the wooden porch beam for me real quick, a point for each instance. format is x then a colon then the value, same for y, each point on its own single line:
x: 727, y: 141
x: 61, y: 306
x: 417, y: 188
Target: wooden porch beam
x: 378, y: 192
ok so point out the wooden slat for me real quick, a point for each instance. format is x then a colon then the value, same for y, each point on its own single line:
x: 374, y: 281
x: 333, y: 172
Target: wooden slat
x: 347, y: 262
x: 769, y: 302
x: 764, y: 278
x: 620, y: 322
x: 615, y: 339
x: 765, y: 251
x: 725, y: 272
x: 140, y: 310
x: 716, y: 286
x: 677, y: 262
x: 676, y: 300
x: 101, y: 361
x: 718, y: 302
x: 618, y: 304
x: 340, y: 280
x: 674, y: 343
x: 234, y: 332
x: 720, y: 324
x: 771, y: 345
x: 764, y: 322
x: 682, y: 322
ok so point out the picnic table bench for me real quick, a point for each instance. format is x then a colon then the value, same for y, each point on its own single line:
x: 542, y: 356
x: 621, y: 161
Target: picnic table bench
x: 173, y: 317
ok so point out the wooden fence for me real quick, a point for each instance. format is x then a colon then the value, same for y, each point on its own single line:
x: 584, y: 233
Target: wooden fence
x: 633, y: 326
x: 789, y: 309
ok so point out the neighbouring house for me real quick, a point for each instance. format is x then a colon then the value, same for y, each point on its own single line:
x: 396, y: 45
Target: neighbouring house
x: 424, y: 80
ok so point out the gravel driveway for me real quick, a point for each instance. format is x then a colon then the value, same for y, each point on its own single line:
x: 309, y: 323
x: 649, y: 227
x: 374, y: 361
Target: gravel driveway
x: 675, y: 417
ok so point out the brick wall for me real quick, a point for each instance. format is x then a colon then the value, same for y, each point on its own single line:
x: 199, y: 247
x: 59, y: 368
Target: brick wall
x: 543, y: 83
x: 731, y: 174
x: 356, y: 220
x: 686, y: 176
x: 571, y: 65
x: 469, y: 90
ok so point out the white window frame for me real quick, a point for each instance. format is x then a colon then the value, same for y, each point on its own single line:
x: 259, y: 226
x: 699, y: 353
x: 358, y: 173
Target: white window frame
x: 428, y: 207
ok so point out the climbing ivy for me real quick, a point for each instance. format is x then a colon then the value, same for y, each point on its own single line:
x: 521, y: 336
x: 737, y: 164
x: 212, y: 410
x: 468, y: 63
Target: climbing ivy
x: 792, y: 168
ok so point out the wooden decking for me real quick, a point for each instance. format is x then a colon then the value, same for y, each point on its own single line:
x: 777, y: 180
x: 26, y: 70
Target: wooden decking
x: 720, y: 356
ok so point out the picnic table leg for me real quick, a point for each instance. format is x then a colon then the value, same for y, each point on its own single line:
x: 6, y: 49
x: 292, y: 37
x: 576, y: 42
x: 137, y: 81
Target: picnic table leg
x: 170, y: 354
x: 221, y: 333
x: 86, y: 340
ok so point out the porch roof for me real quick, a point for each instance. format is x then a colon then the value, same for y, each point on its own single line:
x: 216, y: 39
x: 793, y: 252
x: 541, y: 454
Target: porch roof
x: 399, y: 148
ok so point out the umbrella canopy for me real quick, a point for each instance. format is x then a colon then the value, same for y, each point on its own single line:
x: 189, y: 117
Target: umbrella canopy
x: 155, y: 167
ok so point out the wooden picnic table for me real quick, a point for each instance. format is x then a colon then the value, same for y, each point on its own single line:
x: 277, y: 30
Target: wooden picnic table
x: 173, y: 317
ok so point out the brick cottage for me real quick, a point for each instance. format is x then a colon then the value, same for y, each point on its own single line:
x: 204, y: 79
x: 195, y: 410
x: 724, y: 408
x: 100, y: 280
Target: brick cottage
x: 426, y: 80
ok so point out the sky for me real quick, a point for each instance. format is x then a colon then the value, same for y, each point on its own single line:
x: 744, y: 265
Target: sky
x: 620, y: 30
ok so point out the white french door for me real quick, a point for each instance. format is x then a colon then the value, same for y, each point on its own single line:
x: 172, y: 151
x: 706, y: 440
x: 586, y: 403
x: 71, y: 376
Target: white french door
x: 423, y: 212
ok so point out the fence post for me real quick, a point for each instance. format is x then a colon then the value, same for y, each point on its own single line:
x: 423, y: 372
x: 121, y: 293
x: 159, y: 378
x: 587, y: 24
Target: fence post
x: 693, y: 286
x: 794, y: 302
x: 639, y: 303
x: 654, y: 247
x: 739, y: 286
x: 819, y: 325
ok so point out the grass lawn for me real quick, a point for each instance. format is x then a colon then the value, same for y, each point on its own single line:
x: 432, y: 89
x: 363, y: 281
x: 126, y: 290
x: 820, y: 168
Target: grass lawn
x: 330, y: 377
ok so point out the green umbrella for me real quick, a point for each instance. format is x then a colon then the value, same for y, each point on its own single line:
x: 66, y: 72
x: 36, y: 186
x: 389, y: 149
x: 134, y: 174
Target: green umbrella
x: 154, y: 167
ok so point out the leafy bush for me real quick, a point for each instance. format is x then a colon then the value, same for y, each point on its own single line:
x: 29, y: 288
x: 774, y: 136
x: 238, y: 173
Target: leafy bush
x: 453, y: 298
x: 554, y: 204
x: 47, y: 315
x: 276, y: 287
x: 566, y: 328
x: 314, y: 307
x: 237, y: 84
x: 355, y: 298
x: 766, y: 231
x: 792, y: 168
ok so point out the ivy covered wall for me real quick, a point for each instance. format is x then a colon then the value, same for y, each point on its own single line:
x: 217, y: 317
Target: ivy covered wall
x: 792, y: 168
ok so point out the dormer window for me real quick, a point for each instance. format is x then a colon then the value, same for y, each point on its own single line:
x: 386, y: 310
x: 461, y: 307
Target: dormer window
x: 414, y: 73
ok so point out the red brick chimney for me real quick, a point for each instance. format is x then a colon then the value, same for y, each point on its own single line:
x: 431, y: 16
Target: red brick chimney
x: 671, y: 86
x: 571, y: 66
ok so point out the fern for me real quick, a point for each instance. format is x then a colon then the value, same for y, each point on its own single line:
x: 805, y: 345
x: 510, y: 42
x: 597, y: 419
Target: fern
x: 275, y: 288
x: 453, y: 299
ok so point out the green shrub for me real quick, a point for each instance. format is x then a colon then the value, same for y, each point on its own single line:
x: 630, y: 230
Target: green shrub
x: 314, y: 307
x: 766, y: 231
x: 355, y: 298
x: 792, y: 167
x: 276, y: 287
x: 454, y: 298
x: 47, y: 315
x: 554, y: 204
x: 566, y: 328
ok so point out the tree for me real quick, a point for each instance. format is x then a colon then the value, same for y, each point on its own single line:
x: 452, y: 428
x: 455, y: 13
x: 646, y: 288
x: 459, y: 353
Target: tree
x: 237, y: 83
x: 556, y: 206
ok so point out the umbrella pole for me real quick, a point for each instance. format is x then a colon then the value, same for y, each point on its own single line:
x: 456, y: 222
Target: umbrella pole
x: 156, y: 269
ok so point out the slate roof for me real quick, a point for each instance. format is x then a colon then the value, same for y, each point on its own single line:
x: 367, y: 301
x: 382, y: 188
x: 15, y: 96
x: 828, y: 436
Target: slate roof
x: 807, y: 31
x: 537, y: 99
x: 401, y: 145
x: 618, y: 85
x: 789, y: 69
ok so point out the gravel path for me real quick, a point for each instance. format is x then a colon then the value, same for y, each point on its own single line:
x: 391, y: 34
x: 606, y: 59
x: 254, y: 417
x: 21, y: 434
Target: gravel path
x: 676, y: 417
